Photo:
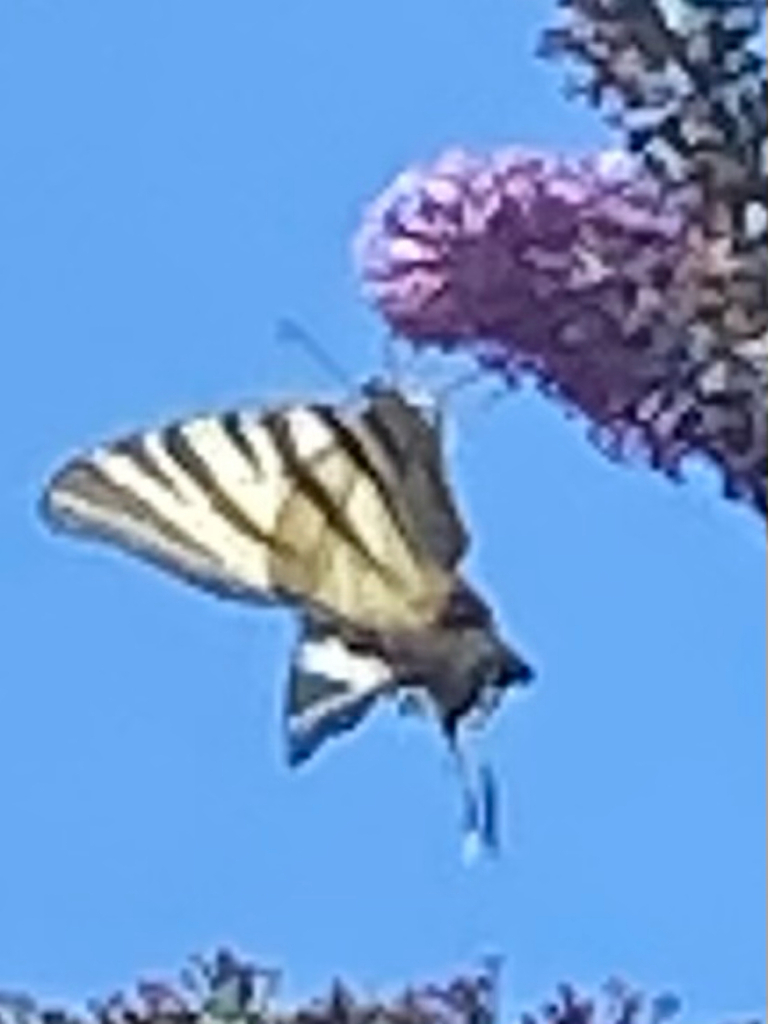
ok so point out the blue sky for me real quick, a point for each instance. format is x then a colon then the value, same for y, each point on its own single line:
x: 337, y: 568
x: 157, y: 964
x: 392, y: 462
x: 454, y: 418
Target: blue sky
x: 176, y: 177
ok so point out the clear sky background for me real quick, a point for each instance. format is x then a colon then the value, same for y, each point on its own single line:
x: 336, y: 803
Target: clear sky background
x: 175, y: 177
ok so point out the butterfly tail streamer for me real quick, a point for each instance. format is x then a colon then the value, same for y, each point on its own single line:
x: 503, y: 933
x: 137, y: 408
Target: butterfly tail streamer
x: 476, y: 893
x: 480, y: 824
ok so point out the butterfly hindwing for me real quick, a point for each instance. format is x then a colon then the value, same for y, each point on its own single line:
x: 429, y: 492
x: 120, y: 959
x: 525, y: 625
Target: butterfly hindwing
x: 330, y: 688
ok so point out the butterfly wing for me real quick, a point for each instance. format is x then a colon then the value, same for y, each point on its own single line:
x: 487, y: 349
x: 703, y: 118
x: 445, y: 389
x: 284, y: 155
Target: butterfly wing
x: 256, y: 507
x: 331, y: 687
x: 456, y: 660
x: 363, y: 563
x: 333, y: 682
x: 412, y: 448
x: 156, y: 494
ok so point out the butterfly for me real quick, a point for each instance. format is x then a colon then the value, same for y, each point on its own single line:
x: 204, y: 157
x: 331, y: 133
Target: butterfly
x: 343, y: 514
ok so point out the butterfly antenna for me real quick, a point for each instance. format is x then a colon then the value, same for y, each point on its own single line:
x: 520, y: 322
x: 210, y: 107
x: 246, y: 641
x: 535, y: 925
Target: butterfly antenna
x: 293, y: 333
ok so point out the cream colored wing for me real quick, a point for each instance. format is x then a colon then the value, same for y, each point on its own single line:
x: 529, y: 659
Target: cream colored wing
x: 358, y: 560
x: 255, y: 507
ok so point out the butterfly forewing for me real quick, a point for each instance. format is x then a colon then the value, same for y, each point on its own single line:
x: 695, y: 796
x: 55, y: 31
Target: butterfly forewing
x: 256, y: 506
x: 152, y: 493
x: 397, y: 434
x: 363, y: 563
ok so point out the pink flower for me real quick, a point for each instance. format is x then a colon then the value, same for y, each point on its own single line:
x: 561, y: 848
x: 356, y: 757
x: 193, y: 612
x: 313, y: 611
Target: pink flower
x: 585, y: 275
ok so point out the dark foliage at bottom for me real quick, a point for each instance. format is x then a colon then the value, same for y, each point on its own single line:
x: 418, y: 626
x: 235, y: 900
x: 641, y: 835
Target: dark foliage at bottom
x: 229, y: 989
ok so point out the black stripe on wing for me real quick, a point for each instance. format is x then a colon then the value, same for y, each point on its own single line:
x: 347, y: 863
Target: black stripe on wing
x: 298, y: 470
x: 353, y: 447
x: 112, y: 511
x: 204, y: 476
x: 411, y: 443
x: 385, y: 437
x: 237, y: 434
x: 136, y: 450
x: 90, y: 484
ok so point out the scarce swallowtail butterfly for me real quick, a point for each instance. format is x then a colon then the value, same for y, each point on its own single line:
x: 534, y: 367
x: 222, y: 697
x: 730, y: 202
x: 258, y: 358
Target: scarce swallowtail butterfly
x: 344, y: 514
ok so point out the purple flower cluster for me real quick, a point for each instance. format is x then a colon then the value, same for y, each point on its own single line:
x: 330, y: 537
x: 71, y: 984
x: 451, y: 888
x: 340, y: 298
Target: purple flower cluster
x: 684, y: 82
x: 590, y: 277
